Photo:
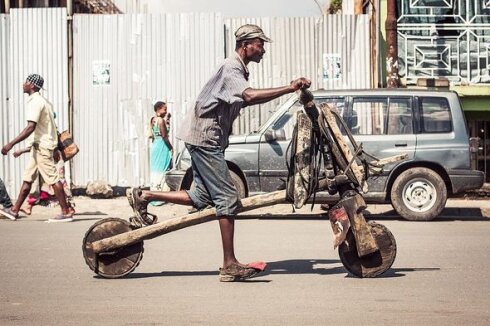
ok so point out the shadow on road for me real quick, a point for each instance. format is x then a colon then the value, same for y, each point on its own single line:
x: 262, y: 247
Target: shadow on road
x: 448, y: 214
x: 292, y: 216
x: 85, y: 219
x: 397, y: 272
x: 91, y: 213
x: 287, y: 267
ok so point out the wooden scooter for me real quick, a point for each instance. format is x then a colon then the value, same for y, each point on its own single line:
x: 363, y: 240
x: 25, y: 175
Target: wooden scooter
x: 321, y: 160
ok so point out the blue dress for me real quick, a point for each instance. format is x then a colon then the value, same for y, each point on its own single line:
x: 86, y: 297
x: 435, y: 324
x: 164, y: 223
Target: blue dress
x: 160, y: 161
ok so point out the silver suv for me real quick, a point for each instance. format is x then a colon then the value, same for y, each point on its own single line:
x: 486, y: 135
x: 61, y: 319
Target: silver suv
x: 429, y: 126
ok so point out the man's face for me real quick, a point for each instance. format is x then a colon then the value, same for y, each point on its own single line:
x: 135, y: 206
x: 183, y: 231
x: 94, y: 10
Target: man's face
x: 27, y: 87
x: 254, y: 50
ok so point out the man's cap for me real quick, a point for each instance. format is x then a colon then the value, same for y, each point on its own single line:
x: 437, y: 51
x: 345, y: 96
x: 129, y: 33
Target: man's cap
x: 35, y: 80
x: 249, y: 31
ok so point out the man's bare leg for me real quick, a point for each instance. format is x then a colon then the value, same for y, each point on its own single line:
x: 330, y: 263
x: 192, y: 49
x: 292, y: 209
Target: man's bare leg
x: 177, y: 197
x: 23, y: 193
x: 59, y: 192
x: 227, y: 227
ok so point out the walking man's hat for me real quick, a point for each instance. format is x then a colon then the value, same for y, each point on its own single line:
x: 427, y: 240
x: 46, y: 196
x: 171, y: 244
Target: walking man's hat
x: 35, y: 80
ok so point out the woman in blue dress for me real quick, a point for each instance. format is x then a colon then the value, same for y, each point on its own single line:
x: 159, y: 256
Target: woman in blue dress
x: 161, y: 150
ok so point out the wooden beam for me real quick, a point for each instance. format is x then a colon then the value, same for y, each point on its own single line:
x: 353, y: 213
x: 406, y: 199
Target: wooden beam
x: 206, y: 215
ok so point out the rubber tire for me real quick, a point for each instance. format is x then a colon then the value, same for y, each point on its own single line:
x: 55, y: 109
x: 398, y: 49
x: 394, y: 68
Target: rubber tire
x: 237, y: 181
x: 424, y: 175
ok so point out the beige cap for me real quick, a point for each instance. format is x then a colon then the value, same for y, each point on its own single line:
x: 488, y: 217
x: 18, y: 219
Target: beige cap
x: 249, y: 31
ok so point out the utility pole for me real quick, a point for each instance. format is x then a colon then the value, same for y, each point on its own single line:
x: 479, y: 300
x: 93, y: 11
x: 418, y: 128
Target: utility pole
x: 69, y: 11
x: 392, y: 78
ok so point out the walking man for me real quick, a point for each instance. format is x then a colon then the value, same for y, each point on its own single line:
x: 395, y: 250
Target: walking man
x: 206, y: 133
x: 43, y: 142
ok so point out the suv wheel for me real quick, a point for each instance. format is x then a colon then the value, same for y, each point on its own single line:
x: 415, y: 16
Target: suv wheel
x: 419, y: 194
x: 237, y: 181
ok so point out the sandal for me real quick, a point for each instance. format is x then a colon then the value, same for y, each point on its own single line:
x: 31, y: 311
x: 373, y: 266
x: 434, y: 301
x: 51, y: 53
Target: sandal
x: 142, y: 217
x: 236, y: 272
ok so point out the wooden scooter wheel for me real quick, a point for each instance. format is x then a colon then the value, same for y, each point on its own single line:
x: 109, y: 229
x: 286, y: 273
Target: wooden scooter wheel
x: 116, y: 263
x: 373, y: 264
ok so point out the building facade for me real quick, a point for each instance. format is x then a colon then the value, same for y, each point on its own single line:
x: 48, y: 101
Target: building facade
x: 448, y: 40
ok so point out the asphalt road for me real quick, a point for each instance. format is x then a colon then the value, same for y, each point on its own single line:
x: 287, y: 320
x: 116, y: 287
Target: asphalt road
x: 440, y: 276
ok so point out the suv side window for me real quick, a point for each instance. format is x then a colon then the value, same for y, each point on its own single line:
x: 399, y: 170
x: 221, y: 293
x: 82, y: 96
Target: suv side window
x: 435, y: 115
x: 381, y: 116
x: 368, y: 116
x: 399, y: 120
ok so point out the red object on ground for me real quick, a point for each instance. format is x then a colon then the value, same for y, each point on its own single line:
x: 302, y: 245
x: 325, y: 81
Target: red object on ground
x: 259, y: 265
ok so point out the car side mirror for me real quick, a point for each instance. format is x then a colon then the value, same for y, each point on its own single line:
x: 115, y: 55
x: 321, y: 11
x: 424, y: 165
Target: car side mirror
x: 274, y: 135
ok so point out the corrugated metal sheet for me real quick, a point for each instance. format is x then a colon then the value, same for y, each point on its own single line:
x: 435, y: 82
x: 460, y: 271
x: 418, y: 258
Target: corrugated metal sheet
x: 348, y: 7
x: 149, y: 57
x: 37, y: 43
x: 4, y: 116
x: 348, y: 37
x: 298, y: 49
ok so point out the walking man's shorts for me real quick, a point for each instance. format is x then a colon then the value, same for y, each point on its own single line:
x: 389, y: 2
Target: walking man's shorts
x: 42, y: 162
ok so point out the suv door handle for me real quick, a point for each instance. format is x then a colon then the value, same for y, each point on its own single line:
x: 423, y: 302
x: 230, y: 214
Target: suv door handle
x: 400, y: 144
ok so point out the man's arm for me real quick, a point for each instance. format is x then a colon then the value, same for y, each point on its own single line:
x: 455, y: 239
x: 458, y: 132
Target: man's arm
x: 253, y: 96
x: 23, y: 135
x: 19, y: 152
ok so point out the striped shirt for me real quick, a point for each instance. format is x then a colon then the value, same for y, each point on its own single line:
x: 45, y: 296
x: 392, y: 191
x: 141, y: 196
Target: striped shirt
x: 217, y: 106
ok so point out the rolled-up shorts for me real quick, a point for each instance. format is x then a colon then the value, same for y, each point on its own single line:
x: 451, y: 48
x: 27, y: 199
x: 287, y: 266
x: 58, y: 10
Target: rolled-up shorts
x: 42, y: 162
x: 212, y: 181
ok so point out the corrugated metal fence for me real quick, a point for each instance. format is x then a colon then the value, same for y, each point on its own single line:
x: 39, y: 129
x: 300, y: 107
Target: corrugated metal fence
x: 124, y: 63
x: 31, y: 41
x: 147, y: 58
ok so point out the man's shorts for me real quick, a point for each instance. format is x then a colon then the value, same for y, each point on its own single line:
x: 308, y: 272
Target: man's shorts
x: 42, y: 162
x: 212, y: 181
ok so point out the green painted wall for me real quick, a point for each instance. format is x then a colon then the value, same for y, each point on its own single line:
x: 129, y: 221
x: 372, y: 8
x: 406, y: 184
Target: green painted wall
x: 476, y: 107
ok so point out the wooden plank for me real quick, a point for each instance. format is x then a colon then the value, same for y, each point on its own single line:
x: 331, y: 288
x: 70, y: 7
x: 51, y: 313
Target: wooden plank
x: 354, y: 205
x: 206, y: 215
x: 387, y: 160
x: 332, y: 124
x: 302, y: 168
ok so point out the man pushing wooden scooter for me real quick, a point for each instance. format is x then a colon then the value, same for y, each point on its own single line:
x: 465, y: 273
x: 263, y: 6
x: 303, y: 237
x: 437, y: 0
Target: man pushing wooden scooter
x: 320, y: 160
